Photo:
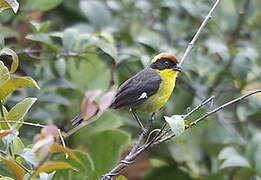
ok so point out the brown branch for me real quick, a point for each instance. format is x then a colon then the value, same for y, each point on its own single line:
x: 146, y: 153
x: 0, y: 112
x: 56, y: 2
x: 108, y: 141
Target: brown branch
x: 135, y: 150
x: 211, y: 113
x: 199, y: 106
x: 132, y: 155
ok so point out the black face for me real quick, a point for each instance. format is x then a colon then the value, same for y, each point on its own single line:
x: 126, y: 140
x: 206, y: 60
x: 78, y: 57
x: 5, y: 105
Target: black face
x: 165, y: 63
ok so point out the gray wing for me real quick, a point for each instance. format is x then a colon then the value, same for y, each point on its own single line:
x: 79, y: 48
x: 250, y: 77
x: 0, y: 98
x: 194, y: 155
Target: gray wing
x: 137, y: 89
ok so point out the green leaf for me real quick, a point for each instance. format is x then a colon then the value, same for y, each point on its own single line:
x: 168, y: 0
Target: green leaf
x: 108, y: 120
x: 4, y: 125
x: 40, y: 27
x: 6, y: 178
x: 52, y: 166
x: 4, y: 73
x: 216, y: 45
x: 60, y: 66
x: 42, y: 5
x: 83, y: 170
x: 18, y: 112
x: 167, y: 173
x: 68, y: 38
x: 150, y: 39
x: 44, y: 38
x: 14, y: 83
x: 29, y: 156
x: 96, y: 12
x: 107, y: 48
x: 105, y: 148
x: 4, y: 4
x: 232, y: 158
x: 17, y: 145
x: 16, y: 169
x: 15, y: 61
x: 121, y: 178
x: 58, y: 148
x: 253, y: 152
x: 46, y: 176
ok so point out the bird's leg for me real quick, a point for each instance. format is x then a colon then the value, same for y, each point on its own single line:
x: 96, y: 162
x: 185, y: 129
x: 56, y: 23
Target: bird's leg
x: 152, y: 118
x: 149, y: 123
x: 138, y: 120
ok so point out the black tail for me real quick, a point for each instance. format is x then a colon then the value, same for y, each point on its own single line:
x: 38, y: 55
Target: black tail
x: 77, y: 120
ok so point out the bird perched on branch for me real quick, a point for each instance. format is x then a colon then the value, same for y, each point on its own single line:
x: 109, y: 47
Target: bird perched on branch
x: 150, y: 89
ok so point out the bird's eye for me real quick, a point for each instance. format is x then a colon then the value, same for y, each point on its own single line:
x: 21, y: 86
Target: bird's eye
x: 166, y: 62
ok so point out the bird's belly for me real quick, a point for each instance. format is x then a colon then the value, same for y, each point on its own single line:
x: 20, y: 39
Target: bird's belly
x: 156, y: 101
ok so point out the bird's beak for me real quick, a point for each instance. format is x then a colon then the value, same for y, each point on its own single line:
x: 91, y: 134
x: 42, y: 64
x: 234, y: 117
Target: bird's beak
x: 177, y: 68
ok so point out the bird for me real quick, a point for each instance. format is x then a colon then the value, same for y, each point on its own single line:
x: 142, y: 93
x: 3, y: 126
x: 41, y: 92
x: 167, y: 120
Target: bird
x: 149, y: 90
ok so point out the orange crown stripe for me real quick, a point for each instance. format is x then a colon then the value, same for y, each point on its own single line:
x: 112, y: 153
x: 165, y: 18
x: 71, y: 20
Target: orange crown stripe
x: 165, y: 55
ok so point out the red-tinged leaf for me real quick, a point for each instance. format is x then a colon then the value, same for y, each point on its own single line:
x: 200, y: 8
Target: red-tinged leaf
x: 91, y: 95
x: 106, y: 100
x: 4, y: 133
x: 44, y: 140
x: 58, y: 148
x: 88, y: 107
x: 52, y: 166
x: 50, y: 130
x: 16, y: 169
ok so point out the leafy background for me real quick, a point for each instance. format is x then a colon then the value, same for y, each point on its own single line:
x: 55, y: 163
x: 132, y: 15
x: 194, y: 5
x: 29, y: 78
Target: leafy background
x: 71, y: 47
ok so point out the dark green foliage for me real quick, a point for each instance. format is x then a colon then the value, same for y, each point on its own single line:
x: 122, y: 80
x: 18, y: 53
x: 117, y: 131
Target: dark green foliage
x: 70, y: 47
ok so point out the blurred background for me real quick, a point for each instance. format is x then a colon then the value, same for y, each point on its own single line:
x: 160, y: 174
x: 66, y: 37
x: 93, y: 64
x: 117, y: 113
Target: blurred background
x: 71, y: 47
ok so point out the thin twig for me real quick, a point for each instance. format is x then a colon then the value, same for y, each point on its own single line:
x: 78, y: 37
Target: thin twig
x: 198, y: 107
x: 36, y: 125
x: 210, y: 113
x: 224, y: 105
x: 135, y: 150
x: 132, y: 156
x: 62, y: 141
x: 25, y: 123
x: 200, y: 29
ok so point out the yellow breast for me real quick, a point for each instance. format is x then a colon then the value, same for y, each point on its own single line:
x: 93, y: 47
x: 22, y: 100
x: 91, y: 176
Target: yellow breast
x: 156, y: 101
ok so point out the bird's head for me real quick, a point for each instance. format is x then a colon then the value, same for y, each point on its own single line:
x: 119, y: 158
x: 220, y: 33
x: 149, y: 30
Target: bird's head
x: 165, y: 61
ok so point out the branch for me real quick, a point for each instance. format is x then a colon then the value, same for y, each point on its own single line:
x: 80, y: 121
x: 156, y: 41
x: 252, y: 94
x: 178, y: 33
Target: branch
x: 132, y: 155
x: 225, y: 105
x: 200, y: 29
x: 25, y: 123
x: 198, y: 107
x: 136, y: 150
x: 211, y: 113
